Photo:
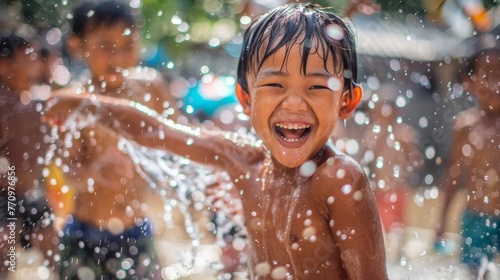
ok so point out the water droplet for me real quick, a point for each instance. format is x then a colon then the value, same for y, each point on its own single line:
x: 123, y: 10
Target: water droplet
x: 308, y: 168
x: 116, y: 225
x: 64, y: 189
x: 147, y: 97
x: 340, y: 173
x: 467, y: 150
x: 308, y: 232
x: 376, y: 129
x: 263, y: 268
x: 330, y: 200
x: 334, y: 84
x: 85, y: 272
x: 127, y: 263
x: 352, y: 146
x: 245, y: 20
x: 346, y: 189
x: 395, y: 65
x: 335, y: 32
x: 176, y: 20
x: 358, y: 195
x: 379, y: 162
x: 374, y: 84
x: 239, y: 244
x: 279, y: 272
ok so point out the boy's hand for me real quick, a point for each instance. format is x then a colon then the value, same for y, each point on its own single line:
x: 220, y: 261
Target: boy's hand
x: 61, y: 105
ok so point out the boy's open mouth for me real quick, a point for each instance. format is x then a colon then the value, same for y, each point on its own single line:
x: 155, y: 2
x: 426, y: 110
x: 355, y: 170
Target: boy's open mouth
x: 292, y: 132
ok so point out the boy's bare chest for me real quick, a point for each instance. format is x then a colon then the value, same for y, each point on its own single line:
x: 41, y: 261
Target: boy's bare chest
x: 288, y: 229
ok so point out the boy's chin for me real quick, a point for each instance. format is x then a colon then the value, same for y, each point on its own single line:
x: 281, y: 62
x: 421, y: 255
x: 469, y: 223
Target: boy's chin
x: 290, y: 162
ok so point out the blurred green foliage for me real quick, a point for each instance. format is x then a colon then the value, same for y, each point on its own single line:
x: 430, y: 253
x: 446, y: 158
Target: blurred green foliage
x: 172, y: 24
x: 41, y: 14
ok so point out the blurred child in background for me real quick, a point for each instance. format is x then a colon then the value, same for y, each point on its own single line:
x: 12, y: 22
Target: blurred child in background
x: 24, y: 141
x: 109, y: 233
x: 474, y: 164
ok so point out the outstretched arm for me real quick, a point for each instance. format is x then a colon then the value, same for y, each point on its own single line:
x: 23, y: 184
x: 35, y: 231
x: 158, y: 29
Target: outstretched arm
x: 144, y: 126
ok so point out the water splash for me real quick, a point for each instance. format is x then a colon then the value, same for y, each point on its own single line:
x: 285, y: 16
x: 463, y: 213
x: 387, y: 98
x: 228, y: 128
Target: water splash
x: 179, y: 183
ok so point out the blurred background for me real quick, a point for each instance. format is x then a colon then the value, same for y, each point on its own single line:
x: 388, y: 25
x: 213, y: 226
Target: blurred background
x: 409, y: 52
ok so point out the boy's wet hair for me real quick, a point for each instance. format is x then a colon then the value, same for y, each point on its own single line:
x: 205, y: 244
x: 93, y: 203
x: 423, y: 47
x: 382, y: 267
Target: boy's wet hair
x: 12, y: 43
x: 92, y: 14
x: 300, y: 23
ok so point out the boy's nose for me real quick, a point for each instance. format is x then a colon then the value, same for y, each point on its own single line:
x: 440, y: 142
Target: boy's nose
x: 294, y: 103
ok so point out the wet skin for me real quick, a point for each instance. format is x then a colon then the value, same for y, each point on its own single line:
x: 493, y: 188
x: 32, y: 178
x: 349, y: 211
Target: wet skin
x: 115, y: 198
x: 24, y: 140
x: 323, y: 225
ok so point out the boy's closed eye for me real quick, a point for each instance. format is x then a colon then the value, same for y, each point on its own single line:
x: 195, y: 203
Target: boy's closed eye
x: 272, y: 85
x: 320, y: 87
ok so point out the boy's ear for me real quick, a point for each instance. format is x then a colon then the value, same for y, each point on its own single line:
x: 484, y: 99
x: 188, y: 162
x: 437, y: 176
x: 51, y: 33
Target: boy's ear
x: 75, y: 47
x: 244, y: 98
x: 350, y: 101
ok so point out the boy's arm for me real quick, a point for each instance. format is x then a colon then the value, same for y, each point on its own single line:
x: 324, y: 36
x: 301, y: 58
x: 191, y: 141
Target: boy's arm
x: 356, y: 227
x: 144, y: 126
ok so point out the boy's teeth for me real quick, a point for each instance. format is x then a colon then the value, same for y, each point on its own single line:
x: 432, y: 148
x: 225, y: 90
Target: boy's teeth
x: 292, y: 140
x: 292, y: 126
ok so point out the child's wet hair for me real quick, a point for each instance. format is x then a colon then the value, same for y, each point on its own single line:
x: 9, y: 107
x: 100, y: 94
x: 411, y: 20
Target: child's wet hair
x: 300, y: 23
x: 12, y: 43
x: 92, y: 14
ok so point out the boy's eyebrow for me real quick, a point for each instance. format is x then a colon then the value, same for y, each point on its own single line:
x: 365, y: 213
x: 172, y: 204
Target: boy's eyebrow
x: 319, y: 74
x: 270, y: 72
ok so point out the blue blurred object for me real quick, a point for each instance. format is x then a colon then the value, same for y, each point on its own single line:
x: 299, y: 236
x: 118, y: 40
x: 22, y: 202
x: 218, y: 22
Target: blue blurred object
x: 445, y: 246
x: 203, y: 99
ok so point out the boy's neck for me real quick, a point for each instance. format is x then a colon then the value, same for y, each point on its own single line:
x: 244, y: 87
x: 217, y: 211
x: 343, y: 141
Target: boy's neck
x: 294, y: 171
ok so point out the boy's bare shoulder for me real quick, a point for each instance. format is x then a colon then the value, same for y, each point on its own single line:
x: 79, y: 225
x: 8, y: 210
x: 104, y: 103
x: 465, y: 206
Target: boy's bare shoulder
x: 340, y: 170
